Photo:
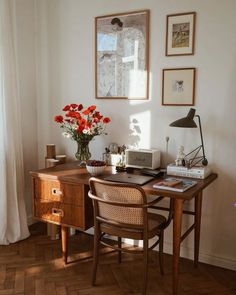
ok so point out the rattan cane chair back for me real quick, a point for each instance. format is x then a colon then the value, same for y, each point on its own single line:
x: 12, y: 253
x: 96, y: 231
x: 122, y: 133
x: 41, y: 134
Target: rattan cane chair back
x: 119, y: 202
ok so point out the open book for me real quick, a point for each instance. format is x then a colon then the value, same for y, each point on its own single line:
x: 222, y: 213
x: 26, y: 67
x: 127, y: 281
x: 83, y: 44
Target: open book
x: 175, y: 184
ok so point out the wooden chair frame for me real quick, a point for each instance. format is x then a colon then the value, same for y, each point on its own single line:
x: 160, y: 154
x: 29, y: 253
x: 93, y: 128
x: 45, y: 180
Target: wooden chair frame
x: 104, y: 226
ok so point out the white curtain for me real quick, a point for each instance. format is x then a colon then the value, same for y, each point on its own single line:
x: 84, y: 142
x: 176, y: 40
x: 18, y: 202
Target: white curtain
x: 13, y: 222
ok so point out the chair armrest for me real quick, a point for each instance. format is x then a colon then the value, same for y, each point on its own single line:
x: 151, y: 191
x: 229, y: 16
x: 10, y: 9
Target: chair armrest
x: 169, y: 209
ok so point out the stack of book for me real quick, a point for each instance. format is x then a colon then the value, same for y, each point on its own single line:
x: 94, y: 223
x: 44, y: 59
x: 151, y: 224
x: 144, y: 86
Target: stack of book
x: 194, y: 172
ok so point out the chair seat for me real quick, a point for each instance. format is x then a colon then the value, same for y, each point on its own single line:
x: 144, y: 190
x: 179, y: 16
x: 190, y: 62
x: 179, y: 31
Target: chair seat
x: 155, y: 224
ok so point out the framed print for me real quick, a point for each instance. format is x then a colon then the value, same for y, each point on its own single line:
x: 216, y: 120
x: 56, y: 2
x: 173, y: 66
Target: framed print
x: 180, y: 33
x: 122, y: 55
x: 178, y: 87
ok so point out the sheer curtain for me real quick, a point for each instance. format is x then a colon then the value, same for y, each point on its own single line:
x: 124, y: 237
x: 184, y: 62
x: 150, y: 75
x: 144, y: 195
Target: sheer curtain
x: 13, y: 222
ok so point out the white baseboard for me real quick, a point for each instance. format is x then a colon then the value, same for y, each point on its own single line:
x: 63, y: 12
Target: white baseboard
x: 208, y: 258
x: 186, y: 252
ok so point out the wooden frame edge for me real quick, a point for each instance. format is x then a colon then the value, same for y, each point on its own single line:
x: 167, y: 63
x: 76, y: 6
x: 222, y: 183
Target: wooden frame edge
x: 193, y: 90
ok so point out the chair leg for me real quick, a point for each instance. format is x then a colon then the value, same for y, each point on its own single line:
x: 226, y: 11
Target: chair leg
x: 95, y: 252
x: 120, y: 246
x: 161, y: 241
x: 145, y: 265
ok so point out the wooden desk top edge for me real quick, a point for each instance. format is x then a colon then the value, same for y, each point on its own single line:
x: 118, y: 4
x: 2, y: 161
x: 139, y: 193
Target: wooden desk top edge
x: 71, y: 172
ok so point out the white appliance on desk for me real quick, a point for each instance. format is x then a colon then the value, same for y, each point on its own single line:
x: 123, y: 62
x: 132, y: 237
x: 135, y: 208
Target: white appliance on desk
x: 143, y: 158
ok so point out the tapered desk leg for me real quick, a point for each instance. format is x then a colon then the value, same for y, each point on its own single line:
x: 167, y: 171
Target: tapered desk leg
x: 198, y: 213
x: 64, y: 242
x: 177, y: 223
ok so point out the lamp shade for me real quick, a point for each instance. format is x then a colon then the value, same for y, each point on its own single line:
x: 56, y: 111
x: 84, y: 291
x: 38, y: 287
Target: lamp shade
x: 186, y: 122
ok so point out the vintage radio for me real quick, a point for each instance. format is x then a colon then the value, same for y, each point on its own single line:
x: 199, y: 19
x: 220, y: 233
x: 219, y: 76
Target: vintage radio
x: 143, y: 158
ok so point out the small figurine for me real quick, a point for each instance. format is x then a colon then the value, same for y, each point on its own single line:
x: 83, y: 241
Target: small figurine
x: 180, y: 156
x: 113, y: 147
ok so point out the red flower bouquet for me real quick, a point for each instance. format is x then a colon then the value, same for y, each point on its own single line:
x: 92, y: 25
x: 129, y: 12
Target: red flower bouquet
x: 82, y: 124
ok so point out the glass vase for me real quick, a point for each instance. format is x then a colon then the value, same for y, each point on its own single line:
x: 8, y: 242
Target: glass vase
x: 83, y: 154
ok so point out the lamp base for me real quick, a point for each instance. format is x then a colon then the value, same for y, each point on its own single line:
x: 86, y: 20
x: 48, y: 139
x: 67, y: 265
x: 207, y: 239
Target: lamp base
x: 192, y: 159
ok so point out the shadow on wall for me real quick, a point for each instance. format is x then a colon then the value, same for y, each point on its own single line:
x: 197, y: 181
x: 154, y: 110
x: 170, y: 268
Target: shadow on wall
x: 134, y: 134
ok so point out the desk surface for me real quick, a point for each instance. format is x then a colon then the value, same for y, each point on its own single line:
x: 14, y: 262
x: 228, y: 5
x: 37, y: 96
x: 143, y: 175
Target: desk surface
x: 71, y: 172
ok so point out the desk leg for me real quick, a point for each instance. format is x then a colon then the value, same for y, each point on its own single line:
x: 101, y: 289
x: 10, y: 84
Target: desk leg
x: 177, y: 224
x: 198, y: 213
x: 64, y: 242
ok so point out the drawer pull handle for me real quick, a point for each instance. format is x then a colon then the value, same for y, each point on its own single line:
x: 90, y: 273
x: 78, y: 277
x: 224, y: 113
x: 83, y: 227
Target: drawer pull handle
x: 56, y: 191
x: 57, y: 212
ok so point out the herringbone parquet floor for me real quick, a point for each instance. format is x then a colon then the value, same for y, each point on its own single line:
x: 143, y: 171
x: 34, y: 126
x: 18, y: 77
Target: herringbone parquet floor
x: 34, y: 266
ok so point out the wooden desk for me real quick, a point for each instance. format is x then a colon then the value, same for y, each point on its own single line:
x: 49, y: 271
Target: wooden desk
x: 60, y: 197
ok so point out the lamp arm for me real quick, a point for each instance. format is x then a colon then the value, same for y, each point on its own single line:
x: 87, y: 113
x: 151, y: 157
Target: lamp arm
x: 203, y: 150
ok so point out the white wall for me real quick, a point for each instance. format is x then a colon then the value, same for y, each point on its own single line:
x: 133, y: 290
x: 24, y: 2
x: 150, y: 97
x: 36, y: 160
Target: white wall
x: 65, y: 73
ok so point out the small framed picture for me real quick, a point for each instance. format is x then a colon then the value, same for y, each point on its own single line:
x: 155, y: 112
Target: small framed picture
x: 180, y: 33
x: 178, y: 86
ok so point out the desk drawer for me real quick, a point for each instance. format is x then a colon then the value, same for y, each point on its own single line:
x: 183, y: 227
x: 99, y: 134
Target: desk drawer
x: 60, y: 213
x: 56, y: 191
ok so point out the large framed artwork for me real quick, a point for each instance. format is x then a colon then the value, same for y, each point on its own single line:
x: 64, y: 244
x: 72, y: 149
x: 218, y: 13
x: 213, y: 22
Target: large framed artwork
x: 122, y: 55
x: 180, y: 33
x: 178, y: 86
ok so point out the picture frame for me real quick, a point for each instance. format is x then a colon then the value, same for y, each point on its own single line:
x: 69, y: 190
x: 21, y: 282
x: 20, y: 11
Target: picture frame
x: 178, y: 86
x: 122, y: 55
x: 180, y: 33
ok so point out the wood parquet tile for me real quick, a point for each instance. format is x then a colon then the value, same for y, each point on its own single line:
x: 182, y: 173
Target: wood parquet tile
x: 34, y: 267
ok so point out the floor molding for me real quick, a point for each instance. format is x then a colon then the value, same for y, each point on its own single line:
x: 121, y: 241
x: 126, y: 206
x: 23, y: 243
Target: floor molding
x: 187, y: 252
x: 204, y: 257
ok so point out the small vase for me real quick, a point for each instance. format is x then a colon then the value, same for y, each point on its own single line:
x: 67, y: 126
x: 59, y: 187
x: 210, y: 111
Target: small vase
x: 83, y: 154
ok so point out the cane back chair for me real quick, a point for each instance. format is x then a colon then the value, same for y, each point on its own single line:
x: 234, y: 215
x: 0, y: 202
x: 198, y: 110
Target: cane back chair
x: 121, y: 210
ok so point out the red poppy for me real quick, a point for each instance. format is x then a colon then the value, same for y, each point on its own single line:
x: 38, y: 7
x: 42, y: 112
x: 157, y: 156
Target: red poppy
x: 97, y: 114
x: 77, y: 115
x: 92, y: 107
x: 96, y: 120
x: 82, y: 122
x: 80, y: 129
x: 74, y: 105
x: 80, y: 107
x: 68, y: 114
x: 106, y: 120
x: 58, y: 119
x: 72, y: 114
x: 66, y: 108
x: 86, y: 112
x: 88, y: 125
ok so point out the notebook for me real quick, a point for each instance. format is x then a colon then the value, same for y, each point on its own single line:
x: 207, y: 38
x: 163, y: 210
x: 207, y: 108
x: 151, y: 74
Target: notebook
x: 129, y: 178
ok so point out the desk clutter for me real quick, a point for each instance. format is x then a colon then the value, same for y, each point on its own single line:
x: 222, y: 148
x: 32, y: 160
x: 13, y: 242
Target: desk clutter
x: 51, y: 158
x: 122, y: 157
